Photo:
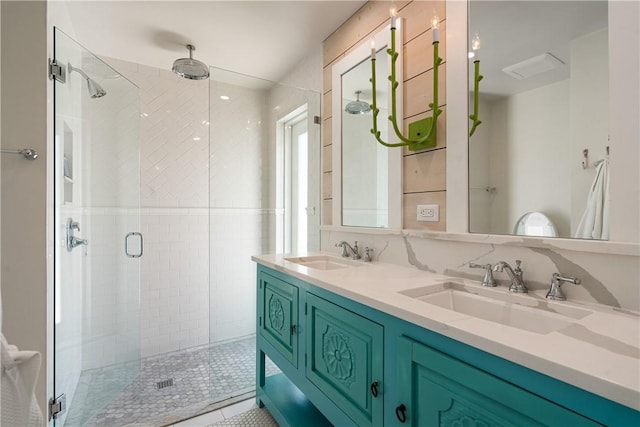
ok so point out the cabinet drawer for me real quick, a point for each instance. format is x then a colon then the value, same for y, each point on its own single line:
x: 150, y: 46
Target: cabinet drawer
x: 344, y: 359
x: 278, y: 311
x: 443, y: 391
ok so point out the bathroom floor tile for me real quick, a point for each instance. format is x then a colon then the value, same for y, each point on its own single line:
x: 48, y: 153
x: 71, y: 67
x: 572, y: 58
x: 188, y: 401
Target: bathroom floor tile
x: 167, y: 387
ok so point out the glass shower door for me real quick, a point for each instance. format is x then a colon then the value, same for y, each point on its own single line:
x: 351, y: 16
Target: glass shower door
x: 97, y: 244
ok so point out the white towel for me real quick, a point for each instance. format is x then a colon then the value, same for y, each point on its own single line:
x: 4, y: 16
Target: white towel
x: 595, y: 220
x: 19, y: 374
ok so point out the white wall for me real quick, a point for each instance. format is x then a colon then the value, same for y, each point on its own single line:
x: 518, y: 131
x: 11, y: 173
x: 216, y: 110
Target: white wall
x: 24, y: 191
x: 624, y: 99
x: 238, y: 149
x: 589, y: 123
x: 480, y: 199
x: 365, y: 173
x: 528, y: 157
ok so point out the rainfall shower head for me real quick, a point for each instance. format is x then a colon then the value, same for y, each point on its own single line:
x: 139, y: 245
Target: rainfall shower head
x: 357, y: 106
x: 190, y: 68
x: 95, y: 90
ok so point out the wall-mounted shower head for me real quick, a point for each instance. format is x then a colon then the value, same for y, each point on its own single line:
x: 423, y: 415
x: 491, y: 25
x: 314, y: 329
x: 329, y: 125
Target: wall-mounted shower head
x: 190, y: 68
x: 95, y: 90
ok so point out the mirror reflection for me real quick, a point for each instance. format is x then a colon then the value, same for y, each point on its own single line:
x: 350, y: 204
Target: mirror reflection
x: 543, y: 101
x: 365, y: 172
x: 366, y: 176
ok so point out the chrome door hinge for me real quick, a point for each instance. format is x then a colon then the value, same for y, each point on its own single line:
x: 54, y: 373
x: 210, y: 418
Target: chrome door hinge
x: 57, y: 71
x: 57, y: 406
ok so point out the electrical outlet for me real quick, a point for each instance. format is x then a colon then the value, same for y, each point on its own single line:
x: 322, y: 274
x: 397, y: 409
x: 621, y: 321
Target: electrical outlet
x: 428, y: 213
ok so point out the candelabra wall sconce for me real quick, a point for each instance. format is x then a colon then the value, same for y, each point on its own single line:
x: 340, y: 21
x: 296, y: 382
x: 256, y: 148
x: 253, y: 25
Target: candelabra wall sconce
x: 475, y: 46
x: 422, y: 133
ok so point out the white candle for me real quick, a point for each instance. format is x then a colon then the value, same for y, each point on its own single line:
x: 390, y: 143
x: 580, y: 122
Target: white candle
x: 373, y: 49
x: 393, y: 13
x: 435, y: 21
x: 475, y: 46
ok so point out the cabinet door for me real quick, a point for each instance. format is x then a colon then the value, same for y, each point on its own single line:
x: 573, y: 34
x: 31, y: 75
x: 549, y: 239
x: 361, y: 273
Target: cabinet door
x: 344, y: 359
x: 278, y: 321
x: 443, y: 391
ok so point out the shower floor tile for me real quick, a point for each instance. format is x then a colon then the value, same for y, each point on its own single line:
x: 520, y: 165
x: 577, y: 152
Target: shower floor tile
x: 167, y: 386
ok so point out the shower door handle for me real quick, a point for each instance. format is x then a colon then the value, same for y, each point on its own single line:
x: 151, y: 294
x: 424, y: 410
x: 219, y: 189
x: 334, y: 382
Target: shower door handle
x: 126, y: 244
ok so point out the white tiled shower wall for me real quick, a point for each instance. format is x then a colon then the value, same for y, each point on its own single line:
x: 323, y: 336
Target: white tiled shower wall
x: 174, y: 149
x: 208, y: 200
x: 238, y: 152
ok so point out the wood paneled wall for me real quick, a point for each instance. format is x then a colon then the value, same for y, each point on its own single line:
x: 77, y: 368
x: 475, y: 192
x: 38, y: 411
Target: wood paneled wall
x: 424, y: 172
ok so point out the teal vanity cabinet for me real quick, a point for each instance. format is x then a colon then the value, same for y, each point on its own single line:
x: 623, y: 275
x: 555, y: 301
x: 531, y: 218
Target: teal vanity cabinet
x: 443, y: 391
x: 347, y: 364
x: 344, y: 359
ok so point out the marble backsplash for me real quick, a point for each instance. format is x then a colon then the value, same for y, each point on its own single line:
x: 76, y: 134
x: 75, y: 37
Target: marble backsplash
x: 610, y: 279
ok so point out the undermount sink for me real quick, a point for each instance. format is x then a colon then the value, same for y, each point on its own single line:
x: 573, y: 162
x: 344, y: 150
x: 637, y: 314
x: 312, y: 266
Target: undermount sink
x: 517, y: 311
x: 323, y: 262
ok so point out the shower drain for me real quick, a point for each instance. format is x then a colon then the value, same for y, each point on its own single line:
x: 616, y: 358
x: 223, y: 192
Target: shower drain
x: 163, y: 384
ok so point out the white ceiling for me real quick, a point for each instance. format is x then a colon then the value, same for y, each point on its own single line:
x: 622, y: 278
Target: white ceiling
x: 264, y: 39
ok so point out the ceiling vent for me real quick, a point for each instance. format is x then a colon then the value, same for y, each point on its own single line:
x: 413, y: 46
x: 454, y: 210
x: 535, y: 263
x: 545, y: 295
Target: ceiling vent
x: 532, y: 66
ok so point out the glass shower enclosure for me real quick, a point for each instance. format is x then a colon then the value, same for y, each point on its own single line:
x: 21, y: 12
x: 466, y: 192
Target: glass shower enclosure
x: 97, y: 241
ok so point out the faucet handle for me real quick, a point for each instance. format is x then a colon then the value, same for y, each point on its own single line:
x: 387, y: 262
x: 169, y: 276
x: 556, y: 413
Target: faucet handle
x: 488, y: 279
x: 561, y: 279
x: 518, y: 270
x: 474, y: 265
x: 555, y: 291
x: 367, y: 254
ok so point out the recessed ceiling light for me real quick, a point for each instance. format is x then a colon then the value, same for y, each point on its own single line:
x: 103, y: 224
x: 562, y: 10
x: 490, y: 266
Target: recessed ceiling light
x: 224, y: 97
x: 196, y: 138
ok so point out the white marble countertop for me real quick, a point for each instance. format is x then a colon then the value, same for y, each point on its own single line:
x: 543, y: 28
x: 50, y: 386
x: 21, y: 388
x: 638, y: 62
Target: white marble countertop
x: 599, y: 353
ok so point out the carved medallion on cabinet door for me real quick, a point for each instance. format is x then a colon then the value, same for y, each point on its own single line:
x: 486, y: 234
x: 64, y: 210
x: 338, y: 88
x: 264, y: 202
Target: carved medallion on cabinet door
x: 279, y: 315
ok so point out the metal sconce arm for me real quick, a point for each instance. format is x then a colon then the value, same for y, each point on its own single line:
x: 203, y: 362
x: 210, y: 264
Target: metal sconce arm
x: 476, y: 88
x: 429, y: 125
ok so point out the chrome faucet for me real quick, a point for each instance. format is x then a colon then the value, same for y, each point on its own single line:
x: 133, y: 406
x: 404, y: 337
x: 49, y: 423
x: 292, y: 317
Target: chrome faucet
x: 488, y: 279
x: 346, y: 247
x: 74, y: 241
x: 555, y: 291
x: 517, y: 284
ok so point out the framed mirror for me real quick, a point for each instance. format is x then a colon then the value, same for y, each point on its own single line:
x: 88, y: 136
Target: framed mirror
x: 367, y: 184
x: 541, y: 152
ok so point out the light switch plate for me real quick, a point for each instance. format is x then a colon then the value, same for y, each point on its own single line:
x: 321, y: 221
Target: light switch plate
x: 428, y: 213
